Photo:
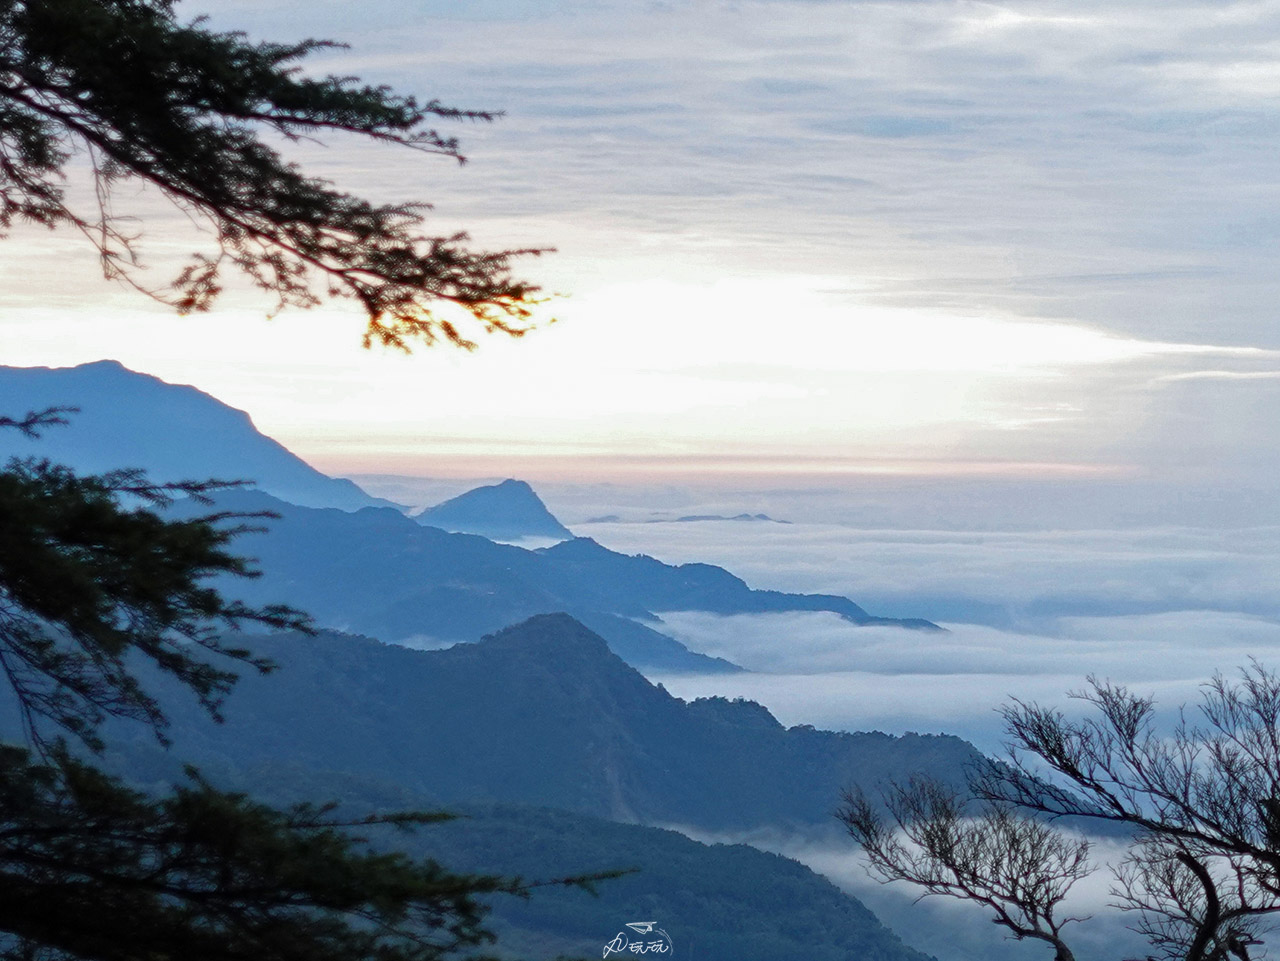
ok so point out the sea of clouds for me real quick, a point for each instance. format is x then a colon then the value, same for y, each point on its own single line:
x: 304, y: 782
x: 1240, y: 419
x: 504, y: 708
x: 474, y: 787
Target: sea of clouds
x: 1030, y: 612
x: 814, y: 668
x: 1010, y: 578
x: 1027, y: 614
x: 952, y: 929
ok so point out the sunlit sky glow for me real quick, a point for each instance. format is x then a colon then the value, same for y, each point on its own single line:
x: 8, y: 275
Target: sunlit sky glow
x: 805, y: 237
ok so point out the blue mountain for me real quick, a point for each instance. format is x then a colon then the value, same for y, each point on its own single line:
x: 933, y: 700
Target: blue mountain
x: 370, y: 568
x: 539, y: 713
x: 377, y: 572
x: 544, y: 740
x: 174, y: 432
x: 509, y: 511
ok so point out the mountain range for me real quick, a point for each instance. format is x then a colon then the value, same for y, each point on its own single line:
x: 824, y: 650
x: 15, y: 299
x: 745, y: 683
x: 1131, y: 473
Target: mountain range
x: 174, y: 432
x: 540, y: 713
x: 562, y: 756
x: 377, y: 572
x: 562, y: 760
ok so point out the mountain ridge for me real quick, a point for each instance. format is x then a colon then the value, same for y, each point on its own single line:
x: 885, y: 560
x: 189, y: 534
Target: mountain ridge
x: 377, y: 572
x: 540, y: 713
x: 506, y: 511
x: 733, y: 902
x: 130, y: 419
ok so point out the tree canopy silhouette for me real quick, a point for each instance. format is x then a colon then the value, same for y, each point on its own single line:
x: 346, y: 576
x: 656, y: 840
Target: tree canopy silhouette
x: 1202, y: 874
x: 91, y: 869
x: 94, y: 577
x: 145, y: 97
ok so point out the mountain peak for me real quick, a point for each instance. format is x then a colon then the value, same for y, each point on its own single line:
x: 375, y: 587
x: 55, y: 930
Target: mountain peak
x: 172, y: 431
x: 558, y: 635
x: 544, y: 714
x: 507, y: 511
x: 583, y: 549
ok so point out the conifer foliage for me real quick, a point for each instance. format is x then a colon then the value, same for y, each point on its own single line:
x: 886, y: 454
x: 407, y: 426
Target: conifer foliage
x: 89, y: 580
x: 90, y: 869
x: 92, y: 579
x: 95, y: 579
x: 143, y: 96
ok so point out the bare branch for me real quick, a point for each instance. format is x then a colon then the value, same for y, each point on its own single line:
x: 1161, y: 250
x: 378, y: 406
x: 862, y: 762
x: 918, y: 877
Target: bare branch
x: 1019, y: 869
x: 1203, y: 872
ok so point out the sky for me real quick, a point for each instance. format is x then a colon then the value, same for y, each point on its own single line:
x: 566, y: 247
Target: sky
x: 980, y: 295
x: 798, y: 242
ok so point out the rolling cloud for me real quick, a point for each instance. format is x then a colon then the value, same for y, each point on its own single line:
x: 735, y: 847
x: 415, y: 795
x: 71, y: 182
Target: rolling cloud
x: 814, y: 669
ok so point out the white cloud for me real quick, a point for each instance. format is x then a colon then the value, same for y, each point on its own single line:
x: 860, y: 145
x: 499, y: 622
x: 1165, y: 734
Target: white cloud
x: 813, y: 668
x: 1028, y: 577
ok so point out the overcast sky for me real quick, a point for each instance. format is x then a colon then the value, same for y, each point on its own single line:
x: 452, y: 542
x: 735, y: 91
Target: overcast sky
x: 816, y: 238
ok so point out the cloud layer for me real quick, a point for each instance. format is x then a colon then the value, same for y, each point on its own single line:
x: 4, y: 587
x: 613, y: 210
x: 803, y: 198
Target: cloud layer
x: 815, y: 669
x: 1030, y: 613
x: 1007, y: 578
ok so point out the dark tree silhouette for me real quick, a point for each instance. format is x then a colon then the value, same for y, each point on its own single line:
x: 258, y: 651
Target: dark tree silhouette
x: 88, y: 581
x: 1018, y: 868
x: 145, y: 97
x: 93, y: 577
x: 91, y: 869
x: 1202, y: 800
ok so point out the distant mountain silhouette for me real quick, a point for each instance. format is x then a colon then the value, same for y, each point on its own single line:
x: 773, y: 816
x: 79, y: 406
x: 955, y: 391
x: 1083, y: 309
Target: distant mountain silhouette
x: 508, y: 511
x: 541, y: 713
x: 375, y: 570
x: 543, y: 740
x: 722, y: 517
x: 378, y: 572
x: 630, y: 579
x: 175, y: 432
x: 685, y: 519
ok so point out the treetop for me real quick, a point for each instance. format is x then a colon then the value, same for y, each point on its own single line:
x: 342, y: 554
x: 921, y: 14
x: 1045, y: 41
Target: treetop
x: 187, y: 109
